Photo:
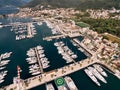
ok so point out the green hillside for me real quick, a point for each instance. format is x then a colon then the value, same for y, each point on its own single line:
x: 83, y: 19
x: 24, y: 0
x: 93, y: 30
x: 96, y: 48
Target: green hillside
x: 80, y: 4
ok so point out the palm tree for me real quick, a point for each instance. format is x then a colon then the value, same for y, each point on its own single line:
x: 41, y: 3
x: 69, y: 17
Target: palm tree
x: 80, y: 65
x: 40, y: 79
x: 72, y: 68
x: 52, y: 75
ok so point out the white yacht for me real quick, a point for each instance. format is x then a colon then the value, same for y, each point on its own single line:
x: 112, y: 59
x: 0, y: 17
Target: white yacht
x: 40, y: 51
x: 1, y: 68
x: 42, y: 59
x: 1, y: 25
x: 32, y: 62
x: 56, y: 44
x: 62, y: 88
x: 1, y: 81
x: 4, y: 62
x: 97, y: 74
x: 92, y: 77
x: 39, y: 23
x: 45, y: 66
x: 5, y: 55
x: 36, y: 73
x: 31, y: 53
x: 39, y: 47
x: 42, y: 55
x: 100, y: 70
x: 74, y: 56
x: 49, y: 87
x: 70, y: 83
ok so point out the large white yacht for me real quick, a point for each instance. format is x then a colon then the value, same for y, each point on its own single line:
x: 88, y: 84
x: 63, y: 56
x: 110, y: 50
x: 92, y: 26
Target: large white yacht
x: 49, y: 87
x: 92, y: 77
x: 100, y: 70
x: 97, y: 74
x: 70, y: 83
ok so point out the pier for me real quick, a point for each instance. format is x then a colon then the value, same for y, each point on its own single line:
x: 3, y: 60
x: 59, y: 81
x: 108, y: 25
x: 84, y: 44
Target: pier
x: 29, y: 33
x: 83, y: 47
x: 49, y: 76
x: 39, y: 61
x: 53, y: 37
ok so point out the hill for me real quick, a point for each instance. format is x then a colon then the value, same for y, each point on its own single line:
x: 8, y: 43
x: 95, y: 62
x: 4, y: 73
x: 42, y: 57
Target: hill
x: 11, y: 2
x: 80, y: 4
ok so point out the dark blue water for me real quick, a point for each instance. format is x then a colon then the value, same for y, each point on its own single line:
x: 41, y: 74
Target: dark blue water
x: 9, y: 9
x: 19, y: 48
x: 14, y: 19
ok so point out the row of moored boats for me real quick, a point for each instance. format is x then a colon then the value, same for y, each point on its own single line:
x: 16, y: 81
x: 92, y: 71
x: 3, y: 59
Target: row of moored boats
x: 3, y: 63
x: 65, y: 51
x: 36, y: 56
x: 96, y: 72
x: 21, y: 30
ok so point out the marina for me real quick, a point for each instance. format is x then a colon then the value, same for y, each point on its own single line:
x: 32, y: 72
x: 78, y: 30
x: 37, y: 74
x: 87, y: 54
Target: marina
x: 52, y: 67
x: 23, y: 31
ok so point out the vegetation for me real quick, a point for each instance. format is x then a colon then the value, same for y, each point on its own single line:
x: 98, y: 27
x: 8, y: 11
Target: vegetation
x: 79, y: 4
x: 82, y: 24
x: 112, y: 38
x: 111, y: 26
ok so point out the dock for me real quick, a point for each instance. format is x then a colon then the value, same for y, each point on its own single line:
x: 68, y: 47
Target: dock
x: 49, y: 76
x: 54, y: 37
x: 29, y: 33
x: 39, y: 61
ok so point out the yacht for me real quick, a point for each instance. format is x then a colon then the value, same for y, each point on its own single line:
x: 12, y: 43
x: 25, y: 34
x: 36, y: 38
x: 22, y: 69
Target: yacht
x: 92, y: 77
x: 62, y: 88
x: 39, y: 47
x: 56, y: 44
x: 49, y: 87
x: 1, y: 81
x: 42, y: 59
x: 40, y: 51
x: 4, y: 73
x: 31, y: 53
x: 34, y: 66
x: 5, y: 55
x: 45, y: 65
x: 4, y: 62
x: 36, y: 73
x: 97, y: 74
x: 100, y: 70
x: 70, y: 83
x: 39, y: 23
x: 1, y: 68
x: 1, y: 25
x: 32, y: 62
x: 74, y: 56
x: 42, y: 55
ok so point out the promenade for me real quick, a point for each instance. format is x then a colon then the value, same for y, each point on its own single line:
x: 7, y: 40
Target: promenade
x: 51, y: 75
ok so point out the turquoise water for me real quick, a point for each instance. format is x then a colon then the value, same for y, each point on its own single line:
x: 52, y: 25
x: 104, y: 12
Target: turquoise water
x: 19, y: 48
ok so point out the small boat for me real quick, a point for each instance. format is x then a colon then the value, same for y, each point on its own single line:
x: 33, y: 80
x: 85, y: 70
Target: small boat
x: 1, y: 68
x: 36, y: 73
x: 1, y: 81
